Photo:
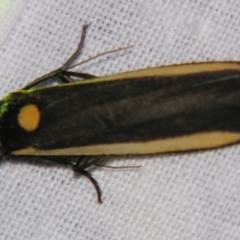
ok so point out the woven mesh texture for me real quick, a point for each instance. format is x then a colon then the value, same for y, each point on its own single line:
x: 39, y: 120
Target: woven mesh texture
x: 176, y: 196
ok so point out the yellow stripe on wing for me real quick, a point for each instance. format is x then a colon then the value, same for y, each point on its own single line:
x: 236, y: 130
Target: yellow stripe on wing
x: 196, y: 141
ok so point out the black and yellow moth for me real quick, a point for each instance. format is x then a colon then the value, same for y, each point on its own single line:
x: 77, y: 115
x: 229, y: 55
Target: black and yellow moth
x: 149, y: 111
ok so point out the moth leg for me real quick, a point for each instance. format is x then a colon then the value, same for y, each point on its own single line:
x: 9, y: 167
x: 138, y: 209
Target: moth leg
x: 93, y: 181
x: 80, y: 167
x: 79, y: 75
x: 117, y: 167
x: 100, y: 162
x: 57, y: 160
x: 88, y: 161
x: 63, y: 72
x: 79, y: 48
x: 66, y: 77
x: 60, y: 70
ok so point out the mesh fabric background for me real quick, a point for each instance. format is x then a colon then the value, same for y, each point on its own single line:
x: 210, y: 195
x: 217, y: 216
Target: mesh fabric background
x: 174, y: 196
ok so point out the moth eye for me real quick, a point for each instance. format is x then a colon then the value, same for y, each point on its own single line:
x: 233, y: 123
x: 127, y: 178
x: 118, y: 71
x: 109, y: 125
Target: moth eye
x: 29, y: 117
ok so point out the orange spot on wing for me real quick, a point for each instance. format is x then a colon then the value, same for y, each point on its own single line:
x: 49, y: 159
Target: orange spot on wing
x: 29, y: 117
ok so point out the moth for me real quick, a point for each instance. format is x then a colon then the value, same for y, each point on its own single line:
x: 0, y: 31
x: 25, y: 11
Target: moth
x: 149, y: 111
